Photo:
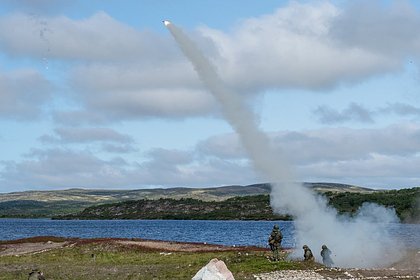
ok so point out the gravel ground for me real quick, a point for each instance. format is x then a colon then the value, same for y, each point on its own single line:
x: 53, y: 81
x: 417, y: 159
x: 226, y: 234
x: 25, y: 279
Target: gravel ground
x: 289, y: 274
x: 337, y: 273
x: 407, y: 268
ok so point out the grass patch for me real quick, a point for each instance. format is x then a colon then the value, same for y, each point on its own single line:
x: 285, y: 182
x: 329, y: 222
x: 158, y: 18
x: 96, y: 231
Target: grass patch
x: 111, y: 261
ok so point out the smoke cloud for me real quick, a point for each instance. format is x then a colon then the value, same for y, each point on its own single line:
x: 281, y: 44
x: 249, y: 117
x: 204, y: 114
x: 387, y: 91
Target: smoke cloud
x: 356, y: 242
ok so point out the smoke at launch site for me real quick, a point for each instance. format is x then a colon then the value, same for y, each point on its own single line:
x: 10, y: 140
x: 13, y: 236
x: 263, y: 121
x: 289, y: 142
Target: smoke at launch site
x: 362, y: 241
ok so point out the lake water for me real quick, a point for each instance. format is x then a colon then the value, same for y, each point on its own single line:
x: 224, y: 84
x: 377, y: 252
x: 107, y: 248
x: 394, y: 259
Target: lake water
x: 253, y: 233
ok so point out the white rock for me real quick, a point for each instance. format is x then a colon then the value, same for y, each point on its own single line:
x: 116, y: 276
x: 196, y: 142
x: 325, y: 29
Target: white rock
x: 214, y: 270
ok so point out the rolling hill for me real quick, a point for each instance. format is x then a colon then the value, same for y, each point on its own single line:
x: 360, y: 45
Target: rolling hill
x: 60, y: 202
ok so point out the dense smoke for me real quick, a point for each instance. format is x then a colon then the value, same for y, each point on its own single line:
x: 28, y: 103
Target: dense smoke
x: 356, y: 242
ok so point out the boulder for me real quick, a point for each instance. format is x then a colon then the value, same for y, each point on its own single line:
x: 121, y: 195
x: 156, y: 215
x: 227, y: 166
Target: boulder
x: 214, y: 270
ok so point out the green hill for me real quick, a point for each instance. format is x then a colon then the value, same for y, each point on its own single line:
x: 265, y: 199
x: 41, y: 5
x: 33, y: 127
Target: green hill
x: 36, y: 204
x: 406, y: 202
x: 236, y: 208
x: 246, y: 207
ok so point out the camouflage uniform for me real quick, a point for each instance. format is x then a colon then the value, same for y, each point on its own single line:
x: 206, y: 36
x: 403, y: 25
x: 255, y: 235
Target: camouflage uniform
x: 326, y: 256
x: 274, y: 240
x: 307, y: 255
x: 36, y: 275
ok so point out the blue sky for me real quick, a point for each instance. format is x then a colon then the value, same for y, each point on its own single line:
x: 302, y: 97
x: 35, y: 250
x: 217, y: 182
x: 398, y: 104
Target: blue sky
x: 96, y: 94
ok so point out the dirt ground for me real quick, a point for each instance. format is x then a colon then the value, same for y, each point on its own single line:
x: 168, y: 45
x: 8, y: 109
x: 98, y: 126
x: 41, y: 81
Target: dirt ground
x: 42, y: 244
x: 406, y: 268
x: 29, y: 248
x: 182, y: 246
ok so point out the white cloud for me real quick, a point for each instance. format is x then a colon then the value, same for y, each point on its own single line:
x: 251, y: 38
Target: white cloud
x: 59, y: 169
x: 99, y: 37
x: 401, y: 109
x: 131, y: 74
x: 64, y: 168
x: 137, y: 74
x: 294, y: 47
x: 385, y: 28
x: 345, y: 144
x: 378, y: 171
x: 115, y: 73
x: 118, y: 149
x: 85, y: 135
x: 366, y: 157
x: 224, y: 146
x: 363, y: 156
x: 360, y: 113
x: 23, y: 94
x: 118, y: 92
x: 354, y: 112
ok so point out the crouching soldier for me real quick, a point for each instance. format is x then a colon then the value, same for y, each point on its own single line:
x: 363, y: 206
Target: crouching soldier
x: 307, y: 254
x: 36, y: 275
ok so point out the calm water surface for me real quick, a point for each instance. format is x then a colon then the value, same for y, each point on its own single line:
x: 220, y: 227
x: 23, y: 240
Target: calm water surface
x: 230, y: 233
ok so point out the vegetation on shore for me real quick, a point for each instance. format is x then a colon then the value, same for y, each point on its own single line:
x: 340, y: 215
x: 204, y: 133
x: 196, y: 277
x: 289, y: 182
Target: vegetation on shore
x: 45, y: 204
x: 108, y: 260
x: 406, y: 202
x: 257, y: 207
x: 39, y: 209
x: 236, y: 208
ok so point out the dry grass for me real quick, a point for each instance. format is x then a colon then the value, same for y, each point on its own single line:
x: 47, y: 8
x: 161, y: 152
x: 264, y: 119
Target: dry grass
x: 132, y: 259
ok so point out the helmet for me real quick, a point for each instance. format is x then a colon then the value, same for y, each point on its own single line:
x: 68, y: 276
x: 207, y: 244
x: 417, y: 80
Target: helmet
x: 305, y: 246
x: 276, y: 227
x: 324, y: 246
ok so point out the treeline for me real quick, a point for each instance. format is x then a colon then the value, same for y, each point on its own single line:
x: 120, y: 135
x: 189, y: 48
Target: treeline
x: 39, y: 209
x: 236, y: 208
x: 406, y: 202
x: 257, y: 207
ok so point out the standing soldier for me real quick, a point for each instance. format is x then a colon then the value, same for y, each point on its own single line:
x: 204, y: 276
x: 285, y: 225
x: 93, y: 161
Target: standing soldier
x: 326, y: 256
x: 274, y: 240
x: 307, y: 254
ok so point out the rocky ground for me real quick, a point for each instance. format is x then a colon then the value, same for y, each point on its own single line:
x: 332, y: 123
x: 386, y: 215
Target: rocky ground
x: 406, y: 268
x: 354, y: 274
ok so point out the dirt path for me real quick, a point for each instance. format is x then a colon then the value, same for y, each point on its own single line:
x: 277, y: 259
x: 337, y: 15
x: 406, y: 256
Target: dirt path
x: 29, y: 248
x: 42, y: 244
x: 182, y: 246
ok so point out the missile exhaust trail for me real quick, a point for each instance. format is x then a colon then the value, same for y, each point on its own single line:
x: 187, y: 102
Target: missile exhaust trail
x: 233, y: 107
x: 315, y: 223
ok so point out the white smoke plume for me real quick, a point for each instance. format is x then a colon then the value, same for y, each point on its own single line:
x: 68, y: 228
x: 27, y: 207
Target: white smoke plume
x: 355, y: 242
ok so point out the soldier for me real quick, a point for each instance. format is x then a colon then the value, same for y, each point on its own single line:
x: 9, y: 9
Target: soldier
x: 274, y: 240
x: 326, y: 256
x: 307, y: 254
x: 36, y: 275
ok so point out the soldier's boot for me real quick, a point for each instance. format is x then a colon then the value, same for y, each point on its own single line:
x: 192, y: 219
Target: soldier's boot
x: 276, y: 255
